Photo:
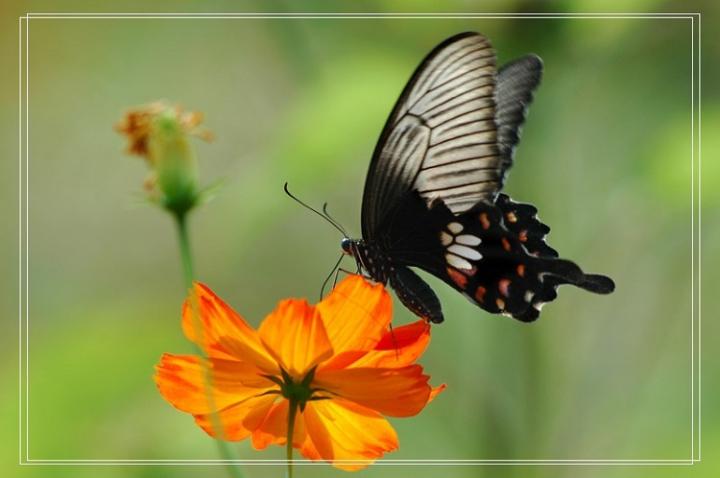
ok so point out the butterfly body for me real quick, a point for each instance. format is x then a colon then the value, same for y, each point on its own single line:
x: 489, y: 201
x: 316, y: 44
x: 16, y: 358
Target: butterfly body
x: 432, y: 196
x: 370, y: 258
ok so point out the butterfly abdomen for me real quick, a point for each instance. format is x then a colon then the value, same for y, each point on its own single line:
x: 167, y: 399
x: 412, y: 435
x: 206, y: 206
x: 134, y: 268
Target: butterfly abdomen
x: 416, y: 295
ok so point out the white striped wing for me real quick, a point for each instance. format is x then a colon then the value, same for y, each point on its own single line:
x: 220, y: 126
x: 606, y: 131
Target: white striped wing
x: 453, y: 132
x: 441, y: 138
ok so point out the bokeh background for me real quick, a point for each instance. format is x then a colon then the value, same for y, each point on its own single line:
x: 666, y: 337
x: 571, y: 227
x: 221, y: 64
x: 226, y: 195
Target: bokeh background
x: 605, y: 156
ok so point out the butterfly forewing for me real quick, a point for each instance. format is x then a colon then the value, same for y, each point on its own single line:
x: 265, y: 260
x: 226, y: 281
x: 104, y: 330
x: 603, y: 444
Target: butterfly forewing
x: 441, y: 138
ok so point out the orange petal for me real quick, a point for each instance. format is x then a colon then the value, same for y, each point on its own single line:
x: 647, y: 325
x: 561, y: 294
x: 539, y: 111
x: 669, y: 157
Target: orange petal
x: 187, y: 381
x: 339, y: 430
x: 219, y: 331
x: 397, y: 348
x: 295, y: 336
x: 399, y: 392
x: 238, y: 421
x: 355, y: 314
x: 436, y: 391
x: 343, y: 360
x: 274, y: 428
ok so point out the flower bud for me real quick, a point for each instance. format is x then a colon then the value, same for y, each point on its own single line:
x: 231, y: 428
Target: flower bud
x: 159, y: 133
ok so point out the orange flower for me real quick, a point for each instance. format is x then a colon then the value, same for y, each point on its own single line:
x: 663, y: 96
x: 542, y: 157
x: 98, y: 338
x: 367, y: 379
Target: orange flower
x: 334, y: 366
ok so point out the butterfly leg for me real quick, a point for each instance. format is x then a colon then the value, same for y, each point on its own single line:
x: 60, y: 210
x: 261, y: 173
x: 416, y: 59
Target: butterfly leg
x: 335, y: 280
x: 358, y: 273
x: 334, y: 270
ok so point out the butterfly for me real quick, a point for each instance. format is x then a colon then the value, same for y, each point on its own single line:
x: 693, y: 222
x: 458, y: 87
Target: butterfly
x: 432, y: 196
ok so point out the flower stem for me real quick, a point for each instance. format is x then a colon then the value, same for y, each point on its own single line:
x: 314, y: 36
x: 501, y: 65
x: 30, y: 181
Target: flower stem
x: 185, y: 256
x: 293, y: 406
x: 188, y: 275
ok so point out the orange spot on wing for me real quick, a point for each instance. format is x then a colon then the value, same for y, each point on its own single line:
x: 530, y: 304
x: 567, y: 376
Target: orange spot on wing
x: 457, y: 277
x: 504, y: 287
x: 521, y: 270
x: 500, y: 303
x: 523, y: 236
x: 480, y: 294
x: 511, y: 217
x: 484, y: 221
x: 505, y: 244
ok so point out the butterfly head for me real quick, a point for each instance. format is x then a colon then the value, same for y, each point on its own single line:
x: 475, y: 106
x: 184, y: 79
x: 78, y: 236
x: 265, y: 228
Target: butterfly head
x: 355, y: 249
x: 348, y: 246
x: 369, y: 259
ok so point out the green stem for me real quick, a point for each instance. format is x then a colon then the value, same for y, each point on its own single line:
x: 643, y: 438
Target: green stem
x: 293, y: 406
x: 185, y: 256
x: 188, y: 274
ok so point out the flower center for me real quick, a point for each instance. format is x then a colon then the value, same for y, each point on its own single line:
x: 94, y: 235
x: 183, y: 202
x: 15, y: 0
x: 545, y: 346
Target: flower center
x: 298, y: 392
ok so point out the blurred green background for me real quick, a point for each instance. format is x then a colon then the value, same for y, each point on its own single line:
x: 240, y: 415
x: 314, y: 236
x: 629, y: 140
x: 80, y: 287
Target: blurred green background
x: 605, y: 156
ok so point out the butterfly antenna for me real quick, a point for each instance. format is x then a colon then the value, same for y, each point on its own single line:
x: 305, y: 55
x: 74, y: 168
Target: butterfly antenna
x: 313, y: 210
x: 335, y: 221
x: 327, y: 279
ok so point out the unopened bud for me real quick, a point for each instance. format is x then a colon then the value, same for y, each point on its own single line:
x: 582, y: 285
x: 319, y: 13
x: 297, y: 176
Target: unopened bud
x: 159, y: 133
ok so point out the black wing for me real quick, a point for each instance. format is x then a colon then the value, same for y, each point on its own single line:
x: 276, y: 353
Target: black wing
x: 452, y: 132
x: 495, y: 254
x: 516, y: 82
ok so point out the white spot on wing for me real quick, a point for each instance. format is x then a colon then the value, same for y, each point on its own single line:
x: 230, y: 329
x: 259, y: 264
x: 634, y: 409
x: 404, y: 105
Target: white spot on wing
x: 457, y: 262
x: 539, y: 305
x: 468, y: 240
x: 529, y: 295
x: 466, y: 252
x: 445, y: 238
x: 455, y: 227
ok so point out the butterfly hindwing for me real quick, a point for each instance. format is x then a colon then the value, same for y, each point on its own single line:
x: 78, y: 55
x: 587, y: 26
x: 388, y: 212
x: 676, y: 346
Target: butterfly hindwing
x: 488, y: 263
x: 522, y: 220
x: 495, y: 254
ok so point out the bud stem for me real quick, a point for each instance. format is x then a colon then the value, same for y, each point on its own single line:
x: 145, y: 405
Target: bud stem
x: 185, y: 256
x: 188, y: 273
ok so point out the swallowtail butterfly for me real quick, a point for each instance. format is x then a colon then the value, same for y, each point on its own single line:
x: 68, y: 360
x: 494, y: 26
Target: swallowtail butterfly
x: 432, y: 195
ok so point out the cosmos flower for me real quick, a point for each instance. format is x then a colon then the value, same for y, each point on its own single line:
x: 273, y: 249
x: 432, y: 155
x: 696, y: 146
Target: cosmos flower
x: 328, y: 374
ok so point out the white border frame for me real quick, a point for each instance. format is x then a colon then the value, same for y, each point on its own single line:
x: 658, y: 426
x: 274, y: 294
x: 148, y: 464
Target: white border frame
x: 24, y: 252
